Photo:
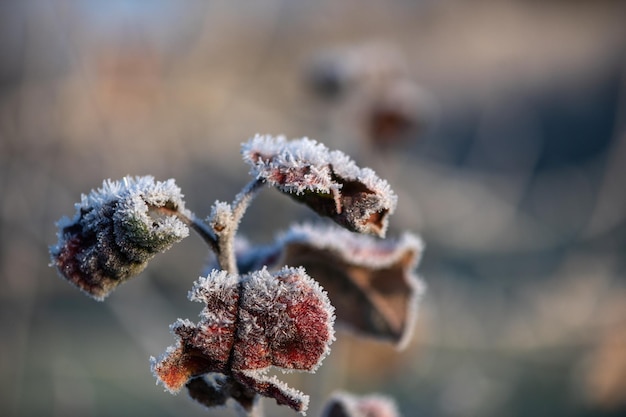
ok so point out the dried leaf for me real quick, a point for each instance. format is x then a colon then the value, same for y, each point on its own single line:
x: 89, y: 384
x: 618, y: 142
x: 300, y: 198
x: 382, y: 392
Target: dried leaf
x: 249, y: 324
x: 116, y: 230
x: 370, y: 282
x: 329, y: 182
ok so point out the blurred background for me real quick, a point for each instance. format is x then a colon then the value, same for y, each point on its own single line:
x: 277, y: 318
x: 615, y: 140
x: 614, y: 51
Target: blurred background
x: 501, y: 125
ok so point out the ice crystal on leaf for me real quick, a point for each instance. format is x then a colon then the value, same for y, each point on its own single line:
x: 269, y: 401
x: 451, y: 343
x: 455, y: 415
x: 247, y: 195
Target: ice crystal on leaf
x: 347, y: 405
x: 116, y: 230
x: 329, y: 182
x: 249, y: 324
x: 371, y: 282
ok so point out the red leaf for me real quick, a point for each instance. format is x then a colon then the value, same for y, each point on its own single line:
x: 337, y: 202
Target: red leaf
x: 250, y: 323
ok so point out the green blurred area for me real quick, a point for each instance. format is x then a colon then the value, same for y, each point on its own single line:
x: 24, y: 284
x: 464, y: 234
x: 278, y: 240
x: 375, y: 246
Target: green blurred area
x: 515, y: 184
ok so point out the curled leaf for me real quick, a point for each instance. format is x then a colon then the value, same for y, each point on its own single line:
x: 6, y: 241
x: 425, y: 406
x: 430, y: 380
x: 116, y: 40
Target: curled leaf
x: 329, y: 182
x: 371, y: 282
x: 249, y: 324
x: 347, y: 405
x: 115, y: 231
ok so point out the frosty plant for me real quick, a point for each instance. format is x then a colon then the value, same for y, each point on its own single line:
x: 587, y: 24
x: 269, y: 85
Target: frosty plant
x: 267, y: 306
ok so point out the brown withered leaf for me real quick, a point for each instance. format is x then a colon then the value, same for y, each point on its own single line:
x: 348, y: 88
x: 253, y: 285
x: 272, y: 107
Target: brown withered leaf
x: 249, y: 323
x: 371, y: 282
x: 328, y: 182
x: 115, y: 231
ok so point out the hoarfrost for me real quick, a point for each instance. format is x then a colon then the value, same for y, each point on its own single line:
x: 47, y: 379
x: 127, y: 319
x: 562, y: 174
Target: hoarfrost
x: 116, y: 230
x: 329, y: 182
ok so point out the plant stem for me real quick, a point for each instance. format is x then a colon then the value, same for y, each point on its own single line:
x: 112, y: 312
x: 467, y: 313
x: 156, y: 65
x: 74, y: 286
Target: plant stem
x: 225, y: 223
x: 244, y: 198
x: 204, y: 232
x: 194, y: 223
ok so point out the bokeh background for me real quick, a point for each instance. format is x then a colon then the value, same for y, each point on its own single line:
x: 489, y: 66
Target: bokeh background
x: 500, y: 124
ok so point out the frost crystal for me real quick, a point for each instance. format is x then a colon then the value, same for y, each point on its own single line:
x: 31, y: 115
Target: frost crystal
x: 116, y: 230
x: 347, y: 405
x: 249, y: 324
x: 370, y: 282
x: 327, y: 181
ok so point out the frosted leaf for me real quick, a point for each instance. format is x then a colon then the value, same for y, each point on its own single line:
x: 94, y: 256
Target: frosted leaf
x: 249, y: 324
x: 116, y: 230
x: 270, y: 386
x: 178, y: 365
x: 342, y: 404
x: 371, y: 282
x: 329, y: 182
x: 295, y: 316
x: 219, y: 292
x: 200, y: 349
x: 215, y: 390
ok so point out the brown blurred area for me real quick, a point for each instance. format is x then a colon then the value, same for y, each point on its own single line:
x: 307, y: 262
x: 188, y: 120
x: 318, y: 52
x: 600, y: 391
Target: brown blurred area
x: 500, y: 124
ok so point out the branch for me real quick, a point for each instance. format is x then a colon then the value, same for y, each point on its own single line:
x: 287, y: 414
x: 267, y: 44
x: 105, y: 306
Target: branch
x: 224, y: 221
x: 194, y: 223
